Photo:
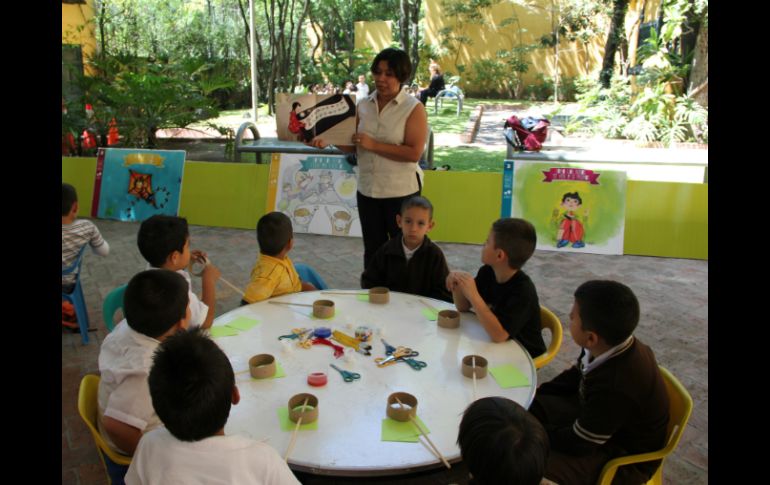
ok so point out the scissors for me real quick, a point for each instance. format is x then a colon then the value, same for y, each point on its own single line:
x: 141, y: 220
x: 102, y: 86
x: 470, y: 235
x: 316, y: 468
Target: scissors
x: 415, y: 364
x: 346, y: 375
x: 399, y: 353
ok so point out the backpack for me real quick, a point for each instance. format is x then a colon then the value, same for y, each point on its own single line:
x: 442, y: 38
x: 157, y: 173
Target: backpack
x: 526, y: 134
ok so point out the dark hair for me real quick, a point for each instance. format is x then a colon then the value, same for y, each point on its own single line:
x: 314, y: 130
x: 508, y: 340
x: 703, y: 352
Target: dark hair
x: 417, y: 201
x: 502, y: 443
x: 274, y: 232
x: 159, y: 236
x: 517, y: 238
x: 398, y: 61
x: 608, y: 308
x: 155, y: 300
x: 572, y: 195
x: 68, y: 197
x: 191, y: 384
x: 294, y: 105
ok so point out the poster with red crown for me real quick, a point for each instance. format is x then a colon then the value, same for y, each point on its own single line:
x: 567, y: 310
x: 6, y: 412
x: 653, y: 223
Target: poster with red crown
x: 302, y: 117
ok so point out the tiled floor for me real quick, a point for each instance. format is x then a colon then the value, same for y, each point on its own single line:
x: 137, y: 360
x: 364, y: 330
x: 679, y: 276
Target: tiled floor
x: 673, y: 294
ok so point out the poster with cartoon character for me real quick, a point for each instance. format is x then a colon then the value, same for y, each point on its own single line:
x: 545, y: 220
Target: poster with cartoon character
x: 318, y: 193
x: 301, y: 117
x: 573, y: 209
x: 133, y: 184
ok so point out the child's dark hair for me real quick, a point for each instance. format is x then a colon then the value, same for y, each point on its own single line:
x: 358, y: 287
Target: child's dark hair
x: 572, y: 195
x: 155, y: 300
x: 417, y: 201
x: 191, y: 384
x: 274, y: 232
x: 294, y: 105
x: 68, y: 197
x: 608, y: 308
x: 159, y: 236
x: 502, y: 443
x: 398, y: 61
x: 517, y: 238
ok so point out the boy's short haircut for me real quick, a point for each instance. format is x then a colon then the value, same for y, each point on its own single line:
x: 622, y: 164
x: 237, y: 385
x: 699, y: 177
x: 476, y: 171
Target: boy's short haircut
x: 502, y: 443
x: 68, y: 197
x: 517, y: 238
x: 417, y: 201
x: 155, y: 300
x: 572, y: 195
x: 274, y: 232
x: 159, y: 236
x: 191, y: 383
x: 608, y: 308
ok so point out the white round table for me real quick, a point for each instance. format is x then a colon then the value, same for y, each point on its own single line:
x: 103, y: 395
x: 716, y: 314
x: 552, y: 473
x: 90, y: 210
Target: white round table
x: 347, y: 441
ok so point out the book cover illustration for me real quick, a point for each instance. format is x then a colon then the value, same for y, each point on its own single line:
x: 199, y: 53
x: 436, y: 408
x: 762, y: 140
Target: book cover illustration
x: 302, y: 117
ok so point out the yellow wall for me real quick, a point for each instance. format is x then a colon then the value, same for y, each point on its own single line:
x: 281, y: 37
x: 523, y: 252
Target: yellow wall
x: 376, y: 35
x: 575, y: 58
x: 73, y: 17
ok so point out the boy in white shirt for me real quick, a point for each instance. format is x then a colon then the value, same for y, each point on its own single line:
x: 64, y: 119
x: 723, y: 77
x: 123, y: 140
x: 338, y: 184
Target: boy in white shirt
x: 193, y: 386
x: 164, y: 241
x: 155, y: 305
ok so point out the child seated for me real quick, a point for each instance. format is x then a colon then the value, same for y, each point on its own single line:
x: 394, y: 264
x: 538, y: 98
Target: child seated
x: 76, y: 233
x: 193, y: 387
x: 164, y: 241
x: 411, y: 263
x: 500, y: 442
x: 613, y: 401
x: 155, y: 305
x: 274, y: 274
x: 502, y: 295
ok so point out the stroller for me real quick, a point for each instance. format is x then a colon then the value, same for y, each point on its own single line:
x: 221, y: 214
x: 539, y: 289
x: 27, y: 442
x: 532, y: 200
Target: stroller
x: 527, y: 133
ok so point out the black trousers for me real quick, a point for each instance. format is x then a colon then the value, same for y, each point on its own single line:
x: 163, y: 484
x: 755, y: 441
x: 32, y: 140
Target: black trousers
x: 378, y: 221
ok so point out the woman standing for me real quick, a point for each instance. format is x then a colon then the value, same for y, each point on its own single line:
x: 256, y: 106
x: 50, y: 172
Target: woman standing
x: 392, y: 128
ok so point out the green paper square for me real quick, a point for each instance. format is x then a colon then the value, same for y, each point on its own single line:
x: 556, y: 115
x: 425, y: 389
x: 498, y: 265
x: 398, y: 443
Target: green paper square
x: 289, y: 425
x: 430, y: 314
x: 402, y: 431
x: 222, y: 331
x: 279, y: 372
x: 242, y: 323
x: 507, y: 376
x: 362, y: 297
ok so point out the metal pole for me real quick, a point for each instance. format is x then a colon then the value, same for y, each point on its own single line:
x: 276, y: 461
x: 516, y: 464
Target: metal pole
x: 254, y: 75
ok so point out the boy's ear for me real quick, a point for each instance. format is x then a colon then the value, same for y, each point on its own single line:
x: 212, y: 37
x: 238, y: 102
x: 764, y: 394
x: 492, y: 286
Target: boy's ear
x: 75, y: 208
x: 173, y: 258
x: 592, y: 338
x: 398, y: 220
x: 431, y: 224
x: 236, y: 395
x: 290, y: 245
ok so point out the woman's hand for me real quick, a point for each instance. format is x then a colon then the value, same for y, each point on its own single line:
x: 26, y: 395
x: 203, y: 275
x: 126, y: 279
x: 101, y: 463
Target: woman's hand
x: 364, y: 141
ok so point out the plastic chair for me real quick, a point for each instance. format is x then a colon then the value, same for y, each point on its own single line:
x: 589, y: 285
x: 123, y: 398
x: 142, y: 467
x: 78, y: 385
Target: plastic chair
x: 308, y: 274
x: 76, y: 295
x: 451, y: 91
x: 551, y: 322
x: 680, y: 408
x: 112, y: 303
x: 87, y: 407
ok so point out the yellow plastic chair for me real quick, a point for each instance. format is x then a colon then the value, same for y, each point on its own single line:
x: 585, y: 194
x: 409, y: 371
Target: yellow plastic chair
x: 87, y: 407
x: 551, y: 322
x: 680, y: 408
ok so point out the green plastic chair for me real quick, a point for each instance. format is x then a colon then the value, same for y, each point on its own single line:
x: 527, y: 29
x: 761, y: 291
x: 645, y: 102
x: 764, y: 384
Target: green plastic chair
x: 112, y: 303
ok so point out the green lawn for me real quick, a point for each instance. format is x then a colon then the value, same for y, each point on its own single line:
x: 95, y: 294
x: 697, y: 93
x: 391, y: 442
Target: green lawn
x: 468, y: 159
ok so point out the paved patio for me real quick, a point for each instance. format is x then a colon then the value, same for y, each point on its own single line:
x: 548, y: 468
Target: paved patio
x: 673, y: 294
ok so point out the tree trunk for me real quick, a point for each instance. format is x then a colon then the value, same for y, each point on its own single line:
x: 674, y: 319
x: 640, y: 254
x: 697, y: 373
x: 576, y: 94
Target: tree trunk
x: 699, y: 72
x: 614, y: 38
x: 415, y: 35
x: 246, y: 33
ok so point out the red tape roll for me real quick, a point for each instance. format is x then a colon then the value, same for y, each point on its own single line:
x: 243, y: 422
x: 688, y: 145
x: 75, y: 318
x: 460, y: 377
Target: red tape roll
x: 317, y: 379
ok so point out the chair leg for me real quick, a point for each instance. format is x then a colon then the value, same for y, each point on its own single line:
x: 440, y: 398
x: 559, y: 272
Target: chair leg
x: 81, y: 312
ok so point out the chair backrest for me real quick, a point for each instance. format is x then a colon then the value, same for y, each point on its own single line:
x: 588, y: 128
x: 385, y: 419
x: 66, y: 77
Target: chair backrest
x: 112, y: 303
x: 74, y: 267
x: 306, y: 273
x: 679, y: 409
x: 87, y: 407
x: 551, y: 322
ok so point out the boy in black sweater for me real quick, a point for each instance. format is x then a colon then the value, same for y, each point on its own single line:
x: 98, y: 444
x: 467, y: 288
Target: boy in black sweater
x: 502, y: 295
x: 411, y: 263
x: 613, y: 402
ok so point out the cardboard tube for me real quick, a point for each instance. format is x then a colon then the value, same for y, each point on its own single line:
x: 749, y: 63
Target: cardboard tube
x: 323, y: 308
x: 397, y: 406
x: 262, y: 366
x: 481, y: 366
x: 297, y: 410
x: 379, y: 294
x: 448, y: 319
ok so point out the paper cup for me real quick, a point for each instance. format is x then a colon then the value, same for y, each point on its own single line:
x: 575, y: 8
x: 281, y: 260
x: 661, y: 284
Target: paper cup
x: 481, y: 366
x: 309, y: 413
x: 398, y: 412
x: 448, y: 319
x: 262, y: 366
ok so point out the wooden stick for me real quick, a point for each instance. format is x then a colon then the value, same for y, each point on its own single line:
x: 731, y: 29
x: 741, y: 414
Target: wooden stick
x: 429, y: 305
x: 419, y: 428
x: 294, y: 435
x: 342, y: 293
x: 231, y: 286
x: 290, y: 303
x: 473, y: 364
